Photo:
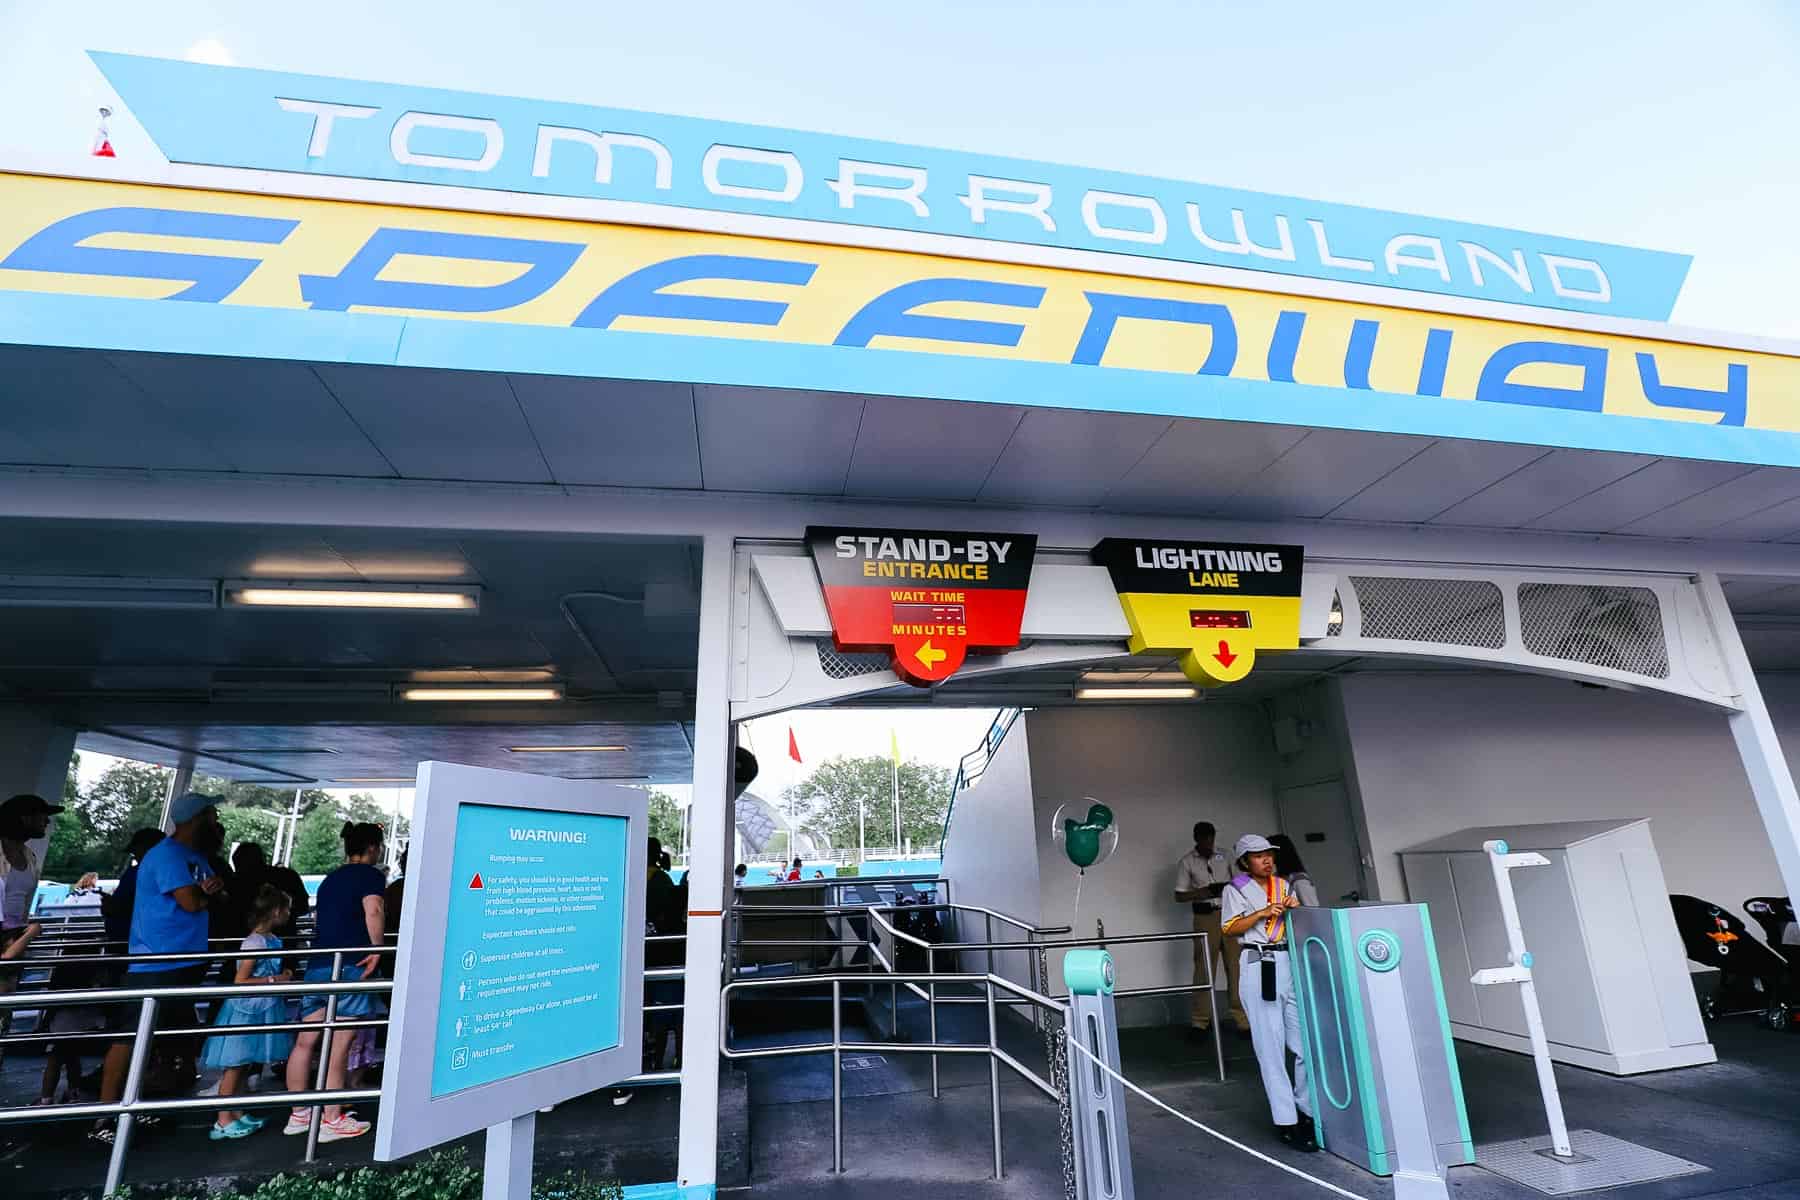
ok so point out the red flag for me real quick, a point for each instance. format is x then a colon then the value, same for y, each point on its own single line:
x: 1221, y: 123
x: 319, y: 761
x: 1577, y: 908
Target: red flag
x: 102, y: 139
x: 793, y: 746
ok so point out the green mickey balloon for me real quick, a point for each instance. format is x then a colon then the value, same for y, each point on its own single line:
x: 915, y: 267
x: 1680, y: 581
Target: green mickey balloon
x: 1081, y: 839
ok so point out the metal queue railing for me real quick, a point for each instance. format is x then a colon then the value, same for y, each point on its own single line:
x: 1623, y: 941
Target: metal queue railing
x: 133, y: 1106
x: 995, y: 1054
x: 1037, y: 942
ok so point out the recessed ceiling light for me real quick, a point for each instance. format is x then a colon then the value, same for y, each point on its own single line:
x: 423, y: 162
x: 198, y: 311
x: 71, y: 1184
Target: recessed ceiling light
x: 250, y: 593
x: 566, y: 749
x: 1136, y: 693
x: 482, y: 693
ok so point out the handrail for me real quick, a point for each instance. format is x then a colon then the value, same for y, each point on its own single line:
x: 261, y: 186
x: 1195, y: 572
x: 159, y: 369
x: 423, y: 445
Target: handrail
x: 744, y: 911
x: 131, y: 1103
x: 836, y: 1046
x: 1127, y: 939
x: 210, y: 956
x: 983, y: 755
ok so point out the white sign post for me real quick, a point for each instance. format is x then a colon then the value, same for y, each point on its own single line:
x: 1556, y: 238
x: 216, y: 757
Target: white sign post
x: 520, y: 975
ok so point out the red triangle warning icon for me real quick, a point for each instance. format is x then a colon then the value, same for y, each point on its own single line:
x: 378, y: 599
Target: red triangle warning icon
x: 475, y: 883
x: 104, y: 150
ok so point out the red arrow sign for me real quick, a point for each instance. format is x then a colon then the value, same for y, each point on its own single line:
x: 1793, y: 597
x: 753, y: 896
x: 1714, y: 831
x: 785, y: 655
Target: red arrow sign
x: 475, y: 883
x: 1225, y: 656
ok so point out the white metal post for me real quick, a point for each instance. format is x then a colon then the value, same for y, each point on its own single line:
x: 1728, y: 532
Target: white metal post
x: 1771, y: 782
x: 1503, y: 862
x: 506, y: 1173
x: 697, y: 1157
x: 181, y: 781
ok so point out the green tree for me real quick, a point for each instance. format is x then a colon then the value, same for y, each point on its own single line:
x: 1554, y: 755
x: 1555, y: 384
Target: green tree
x: 71, y: 838
x: 318, y: 848
x: 128, y: 797
x: 248, y: 825
x: 665, y: 820
x: 828, y: 800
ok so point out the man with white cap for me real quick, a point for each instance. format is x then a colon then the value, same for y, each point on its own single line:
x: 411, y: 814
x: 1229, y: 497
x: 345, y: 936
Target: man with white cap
x: 1255, y: 906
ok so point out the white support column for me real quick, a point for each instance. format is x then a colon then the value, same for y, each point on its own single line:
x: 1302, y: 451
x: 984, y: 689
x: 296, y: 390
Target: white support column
x: 181, y: 781
x: 34, y: 757
x: 708, y: 869
x: 1771, y: 783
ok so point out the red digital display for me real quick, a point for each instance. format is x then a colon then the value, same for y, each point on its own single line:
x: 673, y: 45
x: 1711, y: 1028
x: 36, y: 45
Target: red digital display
x: 928, y: 614
x: 1212, y: 619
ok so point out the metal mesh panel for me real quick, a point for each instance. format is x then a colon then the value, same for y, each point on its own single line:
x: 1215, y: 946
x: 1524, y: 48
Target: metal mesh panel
x: 1615, y: 627
x: 848, y: 666
x: 1455, y: 612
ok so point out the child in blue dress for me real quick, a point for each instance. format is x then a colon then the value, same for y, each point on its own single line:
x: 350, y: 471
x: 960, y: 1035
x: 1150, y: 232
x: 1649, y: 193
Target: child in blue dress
x: 236, y: 1053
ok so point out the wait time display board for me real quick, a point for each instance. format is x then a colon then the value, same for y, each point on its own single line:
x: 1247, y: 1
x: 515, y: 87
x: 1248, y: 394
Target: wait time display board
x: 928, y: 598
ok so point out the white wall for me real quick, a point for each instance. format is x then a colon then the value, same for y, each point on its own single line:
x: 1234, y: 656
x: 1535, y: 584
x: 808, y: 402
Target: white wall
x: 990, y: 857
x: 1160, y: 769
x: 1436, y: 753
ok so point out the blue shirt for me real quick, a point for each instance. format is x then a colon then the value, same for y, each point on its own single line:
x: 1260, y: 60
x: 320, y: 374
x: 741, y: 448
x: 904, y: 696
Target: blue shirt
x: 339, y: 907
x: 159, y: 925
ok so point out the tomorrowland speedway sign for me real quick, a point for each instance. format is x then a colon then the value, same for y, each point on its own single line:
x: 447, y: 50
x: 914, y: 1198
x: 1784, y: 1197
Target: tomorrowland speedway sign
x: 227, y: 116
x: 65, y: 236
x: 314, y: 219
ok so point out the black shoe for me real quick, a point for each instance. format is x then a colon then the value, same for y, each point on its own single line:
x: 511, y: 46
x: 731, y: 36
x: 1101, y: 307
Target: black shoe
x: 1298, y: 1136
x: 1198, y: 1035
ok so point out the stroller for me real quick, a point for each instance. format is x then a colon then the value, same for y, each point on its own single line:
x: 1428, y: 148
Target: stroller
x: 1752, y: 977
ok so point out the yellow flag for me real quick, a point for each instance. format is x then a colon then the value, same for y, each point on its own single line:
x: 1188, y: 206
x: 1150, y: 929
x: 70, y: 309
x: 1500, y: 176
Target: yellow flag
x: 894, y: 744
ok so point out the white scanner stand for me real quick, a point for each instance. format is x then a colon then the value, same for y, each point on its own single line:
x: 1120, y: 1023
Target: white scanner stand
x: 1504, y: 862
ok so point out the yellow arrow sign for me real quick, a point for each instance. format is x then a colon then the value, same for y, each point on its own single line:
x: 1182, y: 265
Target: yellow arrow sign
x: 930, y: 656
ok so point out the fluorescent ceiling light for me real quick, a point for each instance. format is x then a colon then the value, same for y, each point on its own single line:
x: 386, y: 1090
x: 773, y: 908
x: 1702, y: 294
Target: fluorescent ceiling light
x: 566, y: 749
x: 482, y: 693
x: 264, y: 750
x: 378, y: 779
x: 77, y: 591
x: 250, y: 593
x: 1136, y: 693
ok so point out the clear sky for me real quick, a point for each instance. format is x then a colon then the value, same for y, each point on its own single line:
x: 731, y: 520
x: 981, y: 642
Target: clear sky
x: 1658, y: 123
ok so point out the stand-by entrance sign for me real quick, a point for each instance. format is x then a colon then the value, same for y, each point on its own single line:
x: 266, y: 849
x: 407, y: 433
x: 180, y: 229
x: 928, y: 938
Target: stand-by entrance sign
x: 519, y: 982
x: 1213, y: 604
x: 928, y: 598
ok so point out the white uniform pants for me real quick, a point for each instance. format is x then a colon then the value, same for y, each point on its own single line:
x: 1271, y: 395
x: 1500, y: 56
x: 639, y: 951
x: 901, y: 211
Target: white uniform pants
x: 1274, y: 1030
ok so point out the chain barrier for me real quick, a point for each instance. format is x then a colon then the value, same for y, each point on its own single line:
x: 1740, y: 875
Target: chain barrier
x: 1054, y: 1026
x: 1206, y: 1129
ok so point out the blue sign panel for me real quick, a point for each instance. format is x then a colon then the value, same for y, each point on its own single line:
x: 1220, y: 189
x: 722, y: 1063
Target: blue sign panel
x: 228, y: 116
x: 534, y: 943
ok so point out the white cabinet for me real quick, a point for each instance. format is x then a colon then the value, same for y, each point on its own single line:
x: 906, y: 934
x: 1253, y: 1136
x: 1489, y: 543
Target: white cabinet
x: 1610, y: 970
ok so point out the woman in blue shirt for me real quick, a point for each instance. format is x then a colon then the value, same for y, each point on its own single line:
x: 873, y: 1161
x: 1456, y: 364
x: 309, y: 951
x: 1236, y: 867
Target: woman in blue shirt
x: 350, y: 912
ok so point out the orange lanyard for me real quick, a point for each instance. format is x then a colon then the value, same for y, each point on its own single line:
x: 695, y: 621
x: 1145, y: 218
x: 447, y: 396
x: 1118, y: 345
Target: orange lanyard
x: 1276, y: 887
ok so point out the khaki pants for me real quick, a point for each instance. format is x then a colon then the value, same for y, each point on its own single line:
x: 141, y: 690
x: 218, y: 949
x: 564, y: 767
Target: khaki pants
x: 1200, y: 1016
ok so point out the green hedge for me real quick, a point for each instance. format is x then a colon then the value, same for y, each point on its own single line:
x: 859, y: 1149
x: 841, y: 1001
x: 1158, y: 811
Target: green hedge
x: 444, y: 1175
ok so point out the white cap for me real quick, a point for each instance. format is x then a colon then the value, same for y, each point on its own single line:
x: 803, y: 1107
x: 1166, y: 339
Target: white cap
x: 1252, y: 843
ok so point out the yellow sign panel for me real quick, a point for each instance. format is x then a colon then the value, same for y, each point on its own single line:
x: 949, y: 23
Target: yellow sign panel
x: 107, y: 239
x: 1213, y: 606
